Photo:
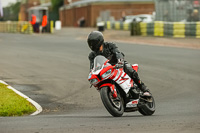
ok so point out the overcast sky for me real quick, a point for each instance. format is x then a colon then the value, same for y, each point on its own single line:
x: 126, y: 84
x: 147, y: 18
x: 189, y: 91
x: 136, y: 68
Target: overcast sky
x: 6, y: 2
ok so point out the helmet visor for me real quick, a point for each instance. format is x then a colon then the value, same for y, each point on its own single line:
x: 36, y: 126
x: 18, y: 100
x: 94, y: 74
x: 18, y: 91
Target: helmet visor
x: 94, y: 46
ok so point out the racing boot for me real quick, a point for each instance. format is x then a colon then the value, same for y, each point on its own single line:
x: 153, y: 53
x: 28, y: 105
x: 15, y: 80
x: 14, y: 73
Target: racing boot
x: 140, y: 84
x: 144, y: 89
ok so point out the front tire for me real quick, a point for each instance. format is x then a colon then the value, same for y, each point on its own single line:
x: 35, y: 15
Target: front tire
x: 115, y: 106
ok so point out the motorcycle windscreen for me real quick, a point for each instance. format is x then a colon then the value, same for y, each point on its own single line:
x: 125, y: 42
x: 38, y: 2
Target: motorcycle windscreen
x: 99, y: 62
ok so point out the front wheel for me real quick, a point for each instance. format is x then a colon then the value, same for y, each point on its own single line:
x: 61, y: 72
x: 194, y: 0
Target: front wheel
x: 115, y: 106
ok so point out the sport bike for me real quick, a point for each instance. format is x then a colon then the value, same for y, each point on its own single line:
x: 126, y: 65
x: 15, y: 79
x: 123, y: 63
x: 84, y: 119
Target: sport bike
x: 118, y: 91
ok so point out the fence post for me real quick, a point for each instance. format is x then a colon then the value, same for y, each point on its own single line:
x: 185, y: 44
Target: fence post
x: 51, y: 27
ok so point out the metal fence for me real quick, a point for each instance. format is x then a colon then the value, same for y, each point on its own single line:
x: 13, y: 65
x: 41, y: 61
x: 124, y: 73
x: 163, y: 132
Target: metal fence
x: 177, y: 10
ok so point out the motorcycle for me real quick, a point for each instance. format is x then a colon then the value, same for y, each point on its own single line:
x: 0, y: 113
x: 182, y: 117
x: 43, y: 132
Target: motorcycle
x: 118, y: 91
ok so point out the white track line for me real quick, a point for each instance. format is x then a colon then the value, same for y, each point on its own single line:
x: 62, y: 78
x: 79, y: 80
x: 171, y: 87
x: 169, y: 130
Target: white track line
x: 37, y: 106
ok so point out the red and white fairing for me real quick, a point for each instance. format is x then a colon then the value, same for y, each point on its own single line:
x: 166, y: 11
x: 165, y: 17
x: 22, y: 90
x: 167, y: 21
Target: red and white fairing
x: 123, y: 80
x: 117, y: 75
x: 103, y: 73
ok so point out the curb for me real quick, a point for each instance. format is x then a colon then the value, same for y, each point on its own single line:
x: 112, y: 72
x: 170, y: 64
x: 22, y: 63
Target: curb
x: 37, y: 106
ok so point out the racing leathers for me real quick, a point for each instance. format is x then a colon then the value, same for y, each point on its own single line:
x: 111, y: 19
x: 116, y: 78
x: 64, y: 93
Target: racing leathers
x: 111, y: 52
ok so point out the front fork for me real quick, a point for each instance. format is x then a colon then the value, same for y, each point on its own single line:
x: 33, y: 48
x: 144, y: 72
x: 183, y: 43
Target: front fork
x: 112, y: 89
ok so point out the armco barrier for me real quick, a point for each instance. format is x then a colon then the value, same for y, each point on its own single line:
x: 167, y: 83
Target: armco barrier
x: 16, y: 27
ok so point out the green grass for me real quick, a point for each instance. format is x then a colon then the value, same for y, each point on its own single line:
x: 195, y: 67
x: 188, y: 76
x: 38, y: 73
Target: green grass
x: 11, y: 104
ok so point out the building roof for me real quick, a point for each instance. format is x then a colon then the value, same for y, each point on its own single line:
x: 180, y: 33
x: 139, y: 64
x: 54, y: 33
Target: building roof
x: 41, y: 7
x: 38, y: 8
x: 88, y: 2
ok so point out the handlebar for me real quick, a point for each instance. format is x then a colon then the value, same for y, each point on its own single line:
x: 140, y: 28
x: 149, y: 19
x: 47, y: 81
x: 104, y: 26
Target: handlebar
x: 117, y: 66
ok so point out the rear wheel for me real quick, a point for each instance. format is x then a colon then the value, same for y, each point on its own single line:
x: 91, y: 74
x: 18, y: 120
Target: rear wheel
x: 146, y: 106
x: 115, y: 106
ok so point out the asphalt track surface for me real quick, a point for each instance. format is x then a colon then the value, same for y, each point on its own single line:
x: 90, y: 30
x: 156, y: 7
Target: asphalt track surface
x: 53, y: 71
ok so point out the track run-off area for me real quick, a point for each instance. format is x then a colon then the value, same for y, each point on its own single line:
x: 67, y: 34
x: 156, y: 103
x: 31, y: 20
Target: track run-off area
x: 52, y: 69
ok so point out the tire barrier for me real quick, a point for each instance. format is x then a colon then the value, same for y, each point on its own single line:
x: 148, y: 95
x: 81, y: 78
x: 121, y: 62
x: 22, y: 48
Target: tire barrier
x: 198, y: 30
x: 117, y: 25
x: 158, y: 28
x: 179, y: 29
x: 108, y: 25
x: 143, y: 27
x: 16, y: 27
x: 170, y: 29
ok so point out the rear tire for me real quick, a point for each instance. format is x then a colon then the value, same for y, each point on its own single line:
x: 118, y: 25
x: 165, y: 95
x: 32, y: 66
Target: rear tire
x: 147, y: 108
x: 115, y: 106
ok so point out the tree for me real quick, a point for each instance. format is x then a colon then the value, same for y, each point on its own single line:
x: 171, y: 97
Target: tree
x: 11, y: 12
x: 56, y: 4
x: 54, y: 13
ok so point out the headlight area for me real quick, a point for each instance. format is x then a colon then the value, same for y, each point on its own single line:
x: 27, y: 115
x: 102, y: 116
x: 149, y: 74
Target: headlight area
x: 92, y: 81
x: 107, y: 73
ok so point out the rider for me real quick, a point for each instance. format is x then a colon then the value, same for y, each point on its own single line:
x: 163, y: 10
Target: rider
x: 109, y: 50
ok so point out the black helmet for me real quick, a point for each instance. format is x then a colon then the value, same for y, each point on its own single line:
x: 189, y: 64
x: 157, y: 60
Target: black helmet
x: 95, y: 40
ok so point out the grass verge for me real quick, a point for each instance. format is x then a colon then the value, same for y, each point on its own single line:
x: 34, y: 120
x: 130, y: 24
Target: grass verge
x: 11, y: 104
